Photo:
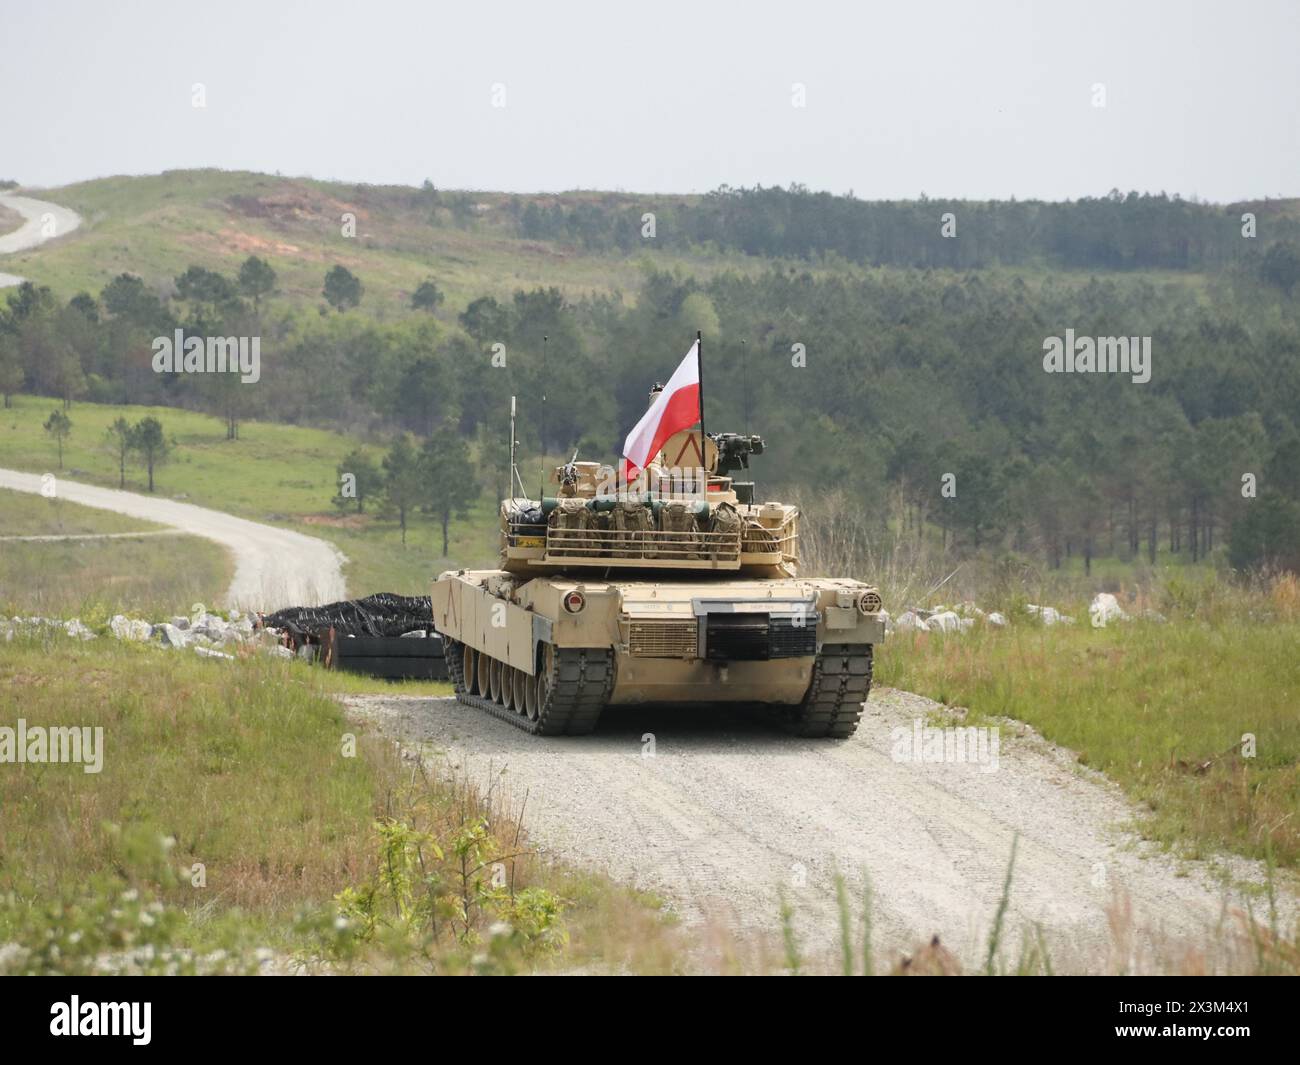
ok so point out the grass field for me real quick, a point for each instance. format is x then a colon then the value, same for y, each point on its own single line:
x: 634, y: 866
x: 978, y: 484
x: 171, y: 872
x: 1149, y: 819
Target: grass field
x: 154, y: 576
x: 278, y: 474
x: 1161, y: 709
x: 242, y: 775
x: 25, y: 514
x: 92, y: 580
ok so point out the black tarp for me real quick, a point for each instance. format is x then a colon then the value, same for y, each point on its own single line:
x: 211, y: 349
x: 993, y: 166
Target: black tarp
x: 382, y: 614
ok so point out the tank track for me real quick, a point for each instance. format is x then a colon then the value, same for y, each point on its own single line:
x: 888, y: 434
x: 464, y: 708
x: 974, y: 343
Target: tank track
x: 578, y: 688
x: 841, y: 682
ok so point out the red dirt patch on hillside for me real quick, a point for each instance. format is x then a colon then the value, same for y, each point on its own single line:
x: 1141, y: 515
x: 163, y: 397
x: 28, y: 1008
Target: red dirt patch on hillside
x: 294, y: 204
x: 248, y: 242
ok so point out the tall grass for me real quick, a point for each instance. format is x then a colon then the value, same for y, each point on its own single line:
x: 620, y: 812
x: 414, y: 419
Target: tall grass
x: 239, y: 798
x: 1241, y: 944
x: 155, y: 577
x: 838, y: 537
x: 1198, y: 719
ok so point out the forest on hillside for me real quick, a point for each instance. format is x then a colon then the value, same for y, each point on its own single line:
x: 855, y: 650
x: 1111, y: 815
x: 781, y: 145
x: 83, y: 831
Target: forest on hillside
x: 918, y: 392
x: 1118, y: 231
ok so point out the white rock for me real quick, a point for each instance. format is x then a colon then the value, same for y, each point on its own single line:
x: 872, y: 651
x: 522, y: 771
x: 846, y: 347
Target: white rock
x: 996, y: 619
x: 133, y: 629
x: 209, y: 653
x: 76, y: 629
x: 947, y: 621
x: 279, y: 652
x: 1049, y: 615
x: 1105, y: 608
x: 909, y: 620
x: 172, y: 636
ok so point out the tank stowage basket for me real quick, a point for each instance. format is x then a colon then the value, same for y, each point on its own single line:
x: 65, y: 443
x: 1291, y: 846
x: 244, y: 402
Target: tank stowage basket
x: 647, y: 532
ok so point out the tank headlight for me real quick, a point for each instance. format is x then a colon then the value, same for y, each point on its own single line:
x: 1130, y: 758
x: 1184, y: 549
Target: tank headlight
x: 869, y: 602
x: 575, y: 601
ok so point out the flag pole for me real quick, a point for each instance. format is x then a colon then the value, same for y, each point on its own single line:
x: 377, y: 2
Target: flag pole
x: 699, y: 362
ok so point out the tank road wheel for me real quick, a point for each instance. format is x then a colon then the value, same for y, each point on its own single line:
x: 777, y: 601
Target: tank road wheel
x: 841, y: 681
x: 531, y: 700
x: 519, y: 690
x: 564, y: 698
x: 544, y: 678
x: 468, y: 668
x: 507, y: 697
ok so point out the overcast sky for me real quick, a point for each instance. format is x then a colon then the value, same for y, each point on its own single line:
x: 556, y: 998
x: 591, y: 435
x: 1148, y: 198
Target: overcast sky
x: 974, y: 99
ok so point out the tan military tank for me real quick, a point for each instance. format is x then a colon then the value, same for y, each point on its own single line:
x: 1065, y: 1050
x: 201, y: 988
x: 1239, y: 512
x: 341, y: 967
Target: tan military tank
x: 677, y: 589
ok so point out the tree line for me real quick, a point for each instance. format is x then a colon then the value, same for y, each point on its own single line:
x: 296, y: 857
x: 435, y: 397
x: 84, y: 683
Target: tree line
x: 1117, y: 231
x: 921, y: 392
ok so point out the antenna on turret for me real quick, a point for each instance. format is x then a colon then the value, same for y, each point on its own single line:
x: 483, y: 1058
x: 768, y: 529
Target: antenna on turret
x: 541, y: 477
x: 744, y: 383
x: 514, y: 470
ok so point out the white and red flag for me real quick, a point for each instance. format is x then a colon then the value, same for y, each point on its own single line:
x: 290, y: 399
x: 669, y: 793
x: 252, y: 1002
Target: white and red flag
x: 677, y: 407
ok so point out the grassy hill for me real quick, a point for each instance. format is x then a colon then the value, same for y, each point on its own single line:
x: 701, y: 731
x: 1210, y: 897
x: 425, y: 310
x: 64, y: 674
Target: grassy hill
x: 156, y: 226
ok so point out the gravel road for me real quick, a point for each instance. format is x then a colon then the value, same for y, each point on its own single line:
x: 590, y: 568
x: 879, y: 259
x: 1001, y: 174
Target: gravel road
x: 33, y: 232
x: 273, y: 567
x: 727, y: 813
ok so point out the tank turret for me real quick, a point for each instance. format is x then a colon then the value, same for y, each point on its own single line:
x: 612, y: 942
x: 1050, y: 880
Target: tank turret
x: 678, y: 514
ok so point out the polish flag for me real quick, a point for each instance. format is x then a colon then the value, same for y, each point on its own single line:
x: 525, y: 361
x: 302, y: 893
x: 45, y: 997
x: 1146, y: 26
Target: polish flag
x: 677, y: 407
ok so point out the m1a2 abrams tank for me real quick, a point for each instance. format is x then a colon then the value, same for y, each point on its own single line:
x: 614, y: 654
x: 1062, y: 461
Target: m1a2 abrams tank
x: 680, y: 589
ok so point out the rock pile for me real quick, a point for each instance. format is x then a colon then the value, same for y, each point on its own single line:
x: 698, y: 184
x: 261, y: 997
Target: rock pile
x: 207, y: 634
x: 958, y: 619
x: 1105, y: 608
x: 1048, y: 615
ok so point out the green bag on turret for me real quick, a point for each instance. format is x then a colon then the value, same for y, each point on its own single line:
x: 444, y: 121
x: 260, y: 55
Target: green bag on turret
x: 575, y: 525
x: 631, y: 522
x: 726, y: 520
x: 681, y: 530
